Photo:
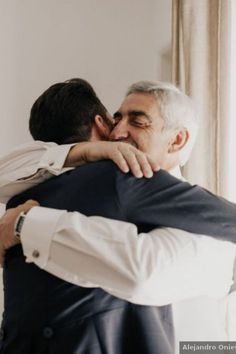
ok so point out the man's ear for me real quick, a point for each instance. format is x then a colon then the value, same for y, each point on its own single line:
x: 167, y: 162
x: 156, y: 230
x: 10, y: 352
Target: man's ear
x: 101, y: 127
x: 178, y: 141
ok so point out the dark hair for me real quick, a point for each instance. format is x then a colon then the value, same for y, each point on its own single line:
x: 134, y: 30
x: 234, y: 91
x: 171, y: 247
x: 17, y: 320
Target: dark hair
x: 65, y: 112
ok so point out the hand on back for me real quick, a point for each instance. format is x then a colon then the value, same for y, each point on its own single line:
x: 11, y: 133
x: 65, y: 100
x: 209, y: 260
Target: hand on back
x: 7, y: 227
x: 127, y: 157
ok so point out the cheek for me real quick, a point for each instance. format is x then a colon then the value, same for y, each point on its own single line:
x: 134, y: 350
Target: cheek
x: 157, y: 146
x: 143, y: 142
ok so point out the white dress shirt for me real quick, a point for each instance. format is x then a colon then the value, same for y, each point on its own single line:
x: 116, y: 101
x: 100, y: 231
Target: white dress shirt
x: 164, y: 266
x: 158, y: 268
x: 30, y: 164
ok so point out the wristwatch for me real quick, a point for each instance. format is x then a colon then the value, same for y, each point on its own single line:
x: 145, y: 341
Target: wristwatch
x: 19, y: 223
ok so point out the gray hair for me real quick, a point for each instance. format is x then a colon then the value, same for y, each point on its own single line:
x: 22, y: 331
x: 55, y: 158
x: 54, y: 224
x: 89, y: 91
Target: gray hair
x: 176, y: 108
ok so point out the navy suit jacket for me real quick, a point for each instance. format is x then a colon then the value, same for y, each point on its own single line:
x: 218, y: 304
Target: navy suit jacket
x: 44, y: 314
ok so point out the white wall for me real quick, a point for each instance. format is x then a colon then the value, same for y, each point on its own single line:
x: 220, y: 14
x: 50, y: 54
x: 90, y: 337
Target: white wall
x: 110, y: 43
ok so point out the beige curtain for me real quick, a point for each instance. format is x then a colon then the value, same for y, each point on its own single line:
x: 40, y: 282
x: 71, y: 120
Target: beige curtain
x: 200, y: 67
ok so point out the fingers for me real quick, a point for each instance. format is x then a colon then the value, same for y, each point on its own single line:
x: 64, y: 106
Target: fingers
x: 7, y: 228
x: 32, y: 202
x: 144, y: 165
x: 27, y: 205
x: 125, y: 156
x: 128, y: 158
x: 153, y: 164
x: 133, y: 163
x: 118, y: 158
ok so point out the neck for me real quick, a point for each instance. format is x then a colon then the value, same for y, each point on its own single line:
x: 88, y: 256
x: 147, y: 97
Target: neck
x: 176, y: 172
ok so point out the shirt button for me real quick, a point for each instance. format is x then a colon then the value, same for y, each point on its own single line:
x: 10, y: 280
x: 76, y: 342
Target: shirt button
x: 35, y: 254
x: 47, y: 332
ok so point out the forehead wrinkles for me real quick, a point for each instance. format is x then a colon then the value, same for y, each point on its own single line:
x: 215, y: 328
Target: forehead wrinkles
x: 140, y: 102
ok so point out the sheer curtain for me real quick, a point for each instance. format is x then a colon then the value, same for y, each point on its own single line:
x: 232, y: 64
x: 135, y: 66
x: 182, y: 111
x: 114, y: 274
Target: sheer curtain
x: 231, y: 182
x: 200, y: 67
x: 201, y: 52
x: 231, y: 193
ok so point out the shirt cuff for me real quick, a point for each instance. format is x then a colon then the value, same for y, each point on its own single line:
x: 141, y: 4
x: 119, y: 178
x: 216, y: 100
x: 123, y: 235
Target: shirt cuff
x: 37, y: 234
x: 54, y: 158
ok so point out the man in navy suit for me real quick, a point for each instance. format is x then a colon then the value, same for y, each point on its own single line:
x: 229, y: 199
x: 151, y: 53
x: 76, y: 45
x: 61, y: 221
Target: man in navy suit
x: 60, y: 317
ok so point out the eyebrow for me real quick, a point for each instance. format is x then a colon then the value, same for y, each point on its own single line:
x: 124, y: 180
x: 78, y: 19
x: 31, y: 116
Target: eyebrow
x: 135, y: 113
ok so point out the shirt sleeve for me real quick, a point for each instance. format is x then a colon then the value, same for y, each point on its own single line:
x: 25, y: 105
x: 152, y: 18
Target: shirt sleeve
x: 29, y: 165
x: 157, y: 268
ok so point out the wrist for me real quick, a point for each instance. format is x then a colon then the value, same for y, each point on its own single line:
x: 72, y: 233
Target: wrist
x: 76, y: 155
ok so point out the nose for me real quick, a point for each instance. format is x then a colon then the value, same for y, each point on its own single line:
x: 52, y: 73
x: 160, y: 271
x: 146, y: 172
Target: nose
x: 120, y: 131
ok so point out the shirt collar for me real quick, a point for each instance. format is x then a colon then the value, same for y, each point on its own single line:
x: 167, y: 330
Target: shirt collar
x: 176, y: 172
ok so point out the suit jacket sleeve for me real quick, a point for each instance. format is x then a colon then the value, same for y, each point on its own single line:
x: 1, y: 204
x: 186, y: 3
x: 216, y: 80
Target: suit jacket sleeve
x: 166, y: 201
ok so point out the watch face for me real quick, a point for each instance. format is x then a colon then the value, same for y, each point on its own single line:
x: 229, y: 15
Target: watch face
x: 19, y: 224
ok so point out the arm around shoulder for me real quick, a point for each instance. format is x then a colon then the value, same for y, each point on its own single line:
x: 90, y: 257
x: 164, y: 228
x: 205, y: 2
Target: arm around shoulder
x: 30, y: 164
